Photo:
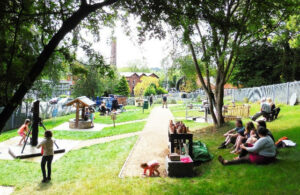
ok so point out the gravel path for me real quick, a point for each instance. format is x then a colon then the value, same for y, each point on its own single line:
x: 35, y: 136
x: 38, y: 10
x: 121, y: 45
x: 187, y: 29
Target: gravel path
x: 152, y: 144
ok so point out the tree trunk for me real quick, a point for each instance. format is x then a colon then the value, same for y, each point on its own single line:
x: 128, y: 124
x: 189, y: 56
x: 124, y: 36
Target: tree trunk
x: 39, y: 65
x: 219, y: 104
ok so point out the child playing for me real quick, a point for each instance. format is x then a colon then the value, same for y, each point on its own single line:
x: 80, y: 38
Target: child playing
x: 152, y: 166
x: 92, y: 116
x: 23, y: 130
x: 47, y: 151
x: 253, y: 137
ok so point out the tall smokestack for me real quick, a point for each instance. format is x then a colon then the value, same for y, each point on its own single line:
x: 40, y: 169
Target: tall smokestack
x: 113, y: 55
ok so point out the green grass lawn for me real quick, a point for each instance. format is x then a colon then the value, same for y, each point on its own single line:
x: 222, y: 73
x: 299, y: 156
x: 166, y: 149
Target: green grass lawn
x: 81, y: 171
x: 179, y: 113
x: 94, y: 170
x: 131, y: 114
x: 105, y: 132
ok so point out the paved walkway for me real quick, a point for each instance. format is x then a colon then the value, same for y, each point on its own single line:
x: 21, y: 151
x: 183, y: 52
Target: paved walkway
x: 151, y: 145
x: 6, y: 190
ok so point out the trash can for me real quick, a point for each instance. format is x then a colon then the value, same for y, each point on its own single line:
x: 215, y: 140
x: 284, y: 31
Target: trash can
x: 146, y: 104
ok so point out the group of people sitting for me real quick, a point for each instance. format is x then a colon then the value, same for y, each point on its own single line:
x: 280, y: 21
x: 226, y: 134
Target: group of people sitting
x: 253, y: 145
x: 268, y: 110
x: 104, y: 110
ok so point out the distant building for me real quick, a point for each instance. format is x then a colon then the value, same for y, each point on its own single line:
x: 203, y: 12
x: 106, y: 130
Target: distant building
x: 135, y: 77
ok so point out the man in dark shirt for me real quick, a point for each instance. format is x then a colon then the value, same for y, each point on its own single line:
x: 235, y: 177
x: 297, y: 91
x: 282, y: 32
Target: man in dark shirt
x: 115, y: 104
x: 165, y: 101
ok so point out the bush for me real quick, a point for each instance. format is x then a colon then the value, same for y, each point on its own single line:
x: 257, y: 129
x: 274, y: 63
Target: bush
x: 150, y: 91
x: 160, y: 90
x: 63, y: 96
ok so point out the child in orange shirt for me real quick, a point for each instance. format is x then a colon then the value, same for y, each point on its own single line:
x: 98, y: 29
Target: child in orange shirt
x: 152, y: 166
x: 23, y: 130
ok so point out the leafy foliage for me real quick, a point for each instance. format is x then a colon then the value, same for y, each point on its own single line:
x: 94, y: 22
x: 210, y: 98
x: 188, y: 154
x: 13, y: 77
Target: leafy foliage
x: 145, y: 82
x: 123, y: 87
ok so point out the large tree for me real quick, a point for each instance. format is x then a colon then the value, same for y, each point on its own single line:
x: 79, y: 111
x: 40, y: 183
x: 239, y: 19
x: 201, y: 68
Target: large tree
x: 32, y: 31
x: 214, y: 31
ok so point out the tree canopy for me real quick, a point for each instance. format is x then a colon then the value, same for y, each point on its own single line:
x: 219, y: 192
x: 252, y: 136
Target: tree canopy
x: 214, y: 31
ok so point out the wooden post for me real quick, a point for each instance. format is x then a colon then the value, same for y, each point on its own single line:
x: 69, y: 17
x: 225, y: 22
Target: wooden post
x: 77, y: 115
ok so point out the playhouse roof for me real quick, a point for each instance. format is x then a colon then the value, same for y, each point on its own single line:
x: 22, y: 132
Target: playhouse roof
x: 83, y: 102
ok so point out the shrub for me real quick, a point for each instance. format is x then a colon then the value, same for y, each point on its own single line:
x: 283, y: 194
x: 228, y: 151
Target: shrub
x: 150, y: 91
x: 160, y: 90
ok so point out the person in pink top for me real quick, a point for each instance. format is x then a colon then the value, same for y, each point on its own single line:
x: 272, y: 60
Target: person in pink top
x: 152, y: 166
x: 23, y: 130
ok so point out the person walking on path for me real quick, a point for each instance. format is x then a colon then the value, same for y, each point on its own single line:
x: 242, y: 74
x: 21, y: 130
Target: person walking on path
x: 47, y: 152
x: 165, y: 101
x: 151, y: 100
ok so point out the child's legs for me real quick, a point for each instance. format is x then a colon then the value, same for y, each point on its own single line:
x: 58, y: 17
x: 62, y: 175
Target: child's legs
x: 22, y: 139
x: 49, y: 163
x: 43, y: 164
x: 156, y: 169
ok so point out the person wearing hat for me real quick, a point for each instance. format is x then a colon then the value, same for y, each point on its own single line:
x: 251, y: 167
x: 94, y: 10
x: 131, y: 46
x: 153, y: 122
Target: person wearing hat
x: 265, y: 110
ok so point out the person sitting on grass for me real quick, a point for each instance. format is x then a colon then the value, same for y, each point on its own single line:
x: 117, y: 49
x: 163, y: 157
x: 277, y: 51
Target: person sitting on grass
x: 262, y: 152
x: 152, y: 166
x: 23, y: 130
x: 233, y: 134
x: 274, y: 110
x: 47, y: 152
x: 249, y: 134
x: 265, y: 110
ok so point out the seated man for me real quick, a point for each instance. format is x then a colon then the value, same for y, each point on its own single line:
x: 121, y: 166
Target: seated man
x: 265, y: 110
x: 102, y: 109
x: 274, y: 111
x: 233, y: 134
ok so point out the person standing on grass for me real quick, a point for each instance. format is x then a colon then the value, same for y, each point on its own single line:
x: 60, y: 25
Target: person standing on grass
x: 262, y: 152
x: 23, y: 130
x: 92, y: 116
x: 165, y: 101
x: 47, y: 152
